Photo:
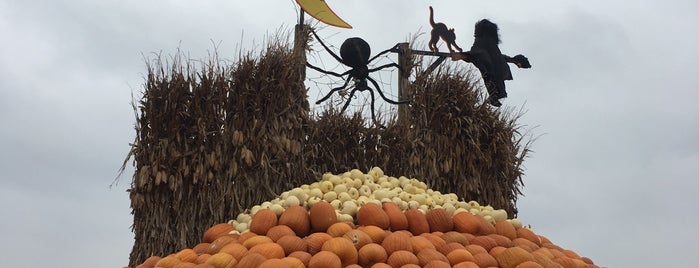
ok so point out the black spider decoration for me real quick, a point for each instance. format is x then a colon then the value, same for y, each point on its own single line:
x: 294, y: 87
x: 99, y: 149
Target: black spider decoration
x: 355, y: 54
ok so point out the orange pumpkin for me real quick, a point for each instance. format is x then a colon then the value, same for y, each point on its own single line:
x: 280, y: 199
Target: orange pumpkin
x: 278, y: 231
x: 484, y: 241
x: 338, y: 229
x: 505, y: 228
x: 396, y: 218
x: 372, y: 214
x: 251, y: 260
x: 381, y: 265
x: 291, y: 243
x: 236, y: 250
x: 436, y: 240
x: 315, y: 242
x: 274, y: 263
x: 439, y: 220
x: 459, y: 256
x: 186, y: 255
x: 343, y: 248
x: 325, y: 259
x: 150, y: 261
x: 501, y: 240
x: 371, y: 253
x: 475, y: 249
x: 454, y: 236
x: 168, y: 261
x: 184, y: 265
x: 528, y: 234
x: 269, y: 250
x: 216, y: 231
x: 428, y: 254
x: 262, y: 221
x: 303, y: 256
x: 485, y: 260
x: 525, y: 244
x: 397, y: 241
x: 358, y: 238
x: 221, y: 242
x: 420, y: 243
x: 256, y: 240
x: 201, y: 259
x: 202, y: 248
x: 465, y: 222
x: 449, y: 247
x: 466, y: 264
x: 221, y: 260
x: 436, y: 264
x: 529, y: 264
x: 294, y: 262
x: 417, y: 222
x: 322, y: 215
x: 377, y: 234
x: 296, y: 217
x: 402, y: 257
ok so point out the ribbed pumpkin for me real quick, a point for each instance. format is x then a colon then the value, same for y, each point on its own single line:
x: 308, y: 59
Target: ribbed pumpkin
x: 419, y: 243
x: 377, y: 234
x: 274, y: 263
x: 485, y: 260
x: 358, y: 238
x: 343, y: 248
x: 417, y: 223
x: 151, y: 261
x: 396, y: 218
x: 202, y: 248
x: 436, y: 240
x: 465, y: 222
x: 216, y: 231
x: 429, y: 254
x: 269, y: 250
x: 397, y: 241
x: 315, y: 242
x: 501, y: 240
x: 201, y: 259
x: 291, y: 243
x: 455, y: 237
x: 459, y: 255
x: 296, y: 217
x: 338, y: 229
x: 525, y: 244
x: 186, y: 255
x: 322, y: 215
x: 305, y: 257
x: 448, y: 247
x: 236, y: 250
x: 184, y: 265
x: 168, y: 261
x: 436, y: 264
x: 221, y: 242
x: 381, y: 265
x: 484, y: 241
x: 262, y: 221
x: 251, y: 260
x: 528, y: 234
x: 402, y: 257
x: 505, y: 228
x: 370, y: 254
x: 256, y: 240
x: 466, y: 264
x: 278, y: 231
x: 529, y: 264
x: 325, y: 259
x: 294, y: 262
x: 439, y: 220
x: 372, y: 214
x: 222, y: 260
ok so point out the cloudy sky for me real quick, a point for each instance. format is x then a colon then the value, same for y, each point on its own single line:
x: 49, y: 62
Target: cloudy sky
x: 611, y: 97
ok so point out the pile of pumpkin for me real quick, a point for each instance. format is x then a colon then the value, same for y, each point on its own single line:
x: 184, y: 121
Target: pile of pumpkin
x: 370, y: 220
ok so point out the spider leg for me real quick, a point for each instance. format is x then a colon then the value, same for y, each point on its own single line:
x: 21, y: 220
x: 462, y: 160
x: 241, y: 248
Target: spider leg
x: 326, y: 72
x: 378, y: 89
x: 326, y: 48
x: 348, y: 100
x: 386, y: 66
x: 384, y: 52
x: 334, y: 89
x: 373, y: 114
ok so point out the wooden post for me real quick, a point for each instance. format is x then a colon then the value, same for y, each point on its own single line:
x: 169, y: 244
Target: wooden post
x: 403, y: 84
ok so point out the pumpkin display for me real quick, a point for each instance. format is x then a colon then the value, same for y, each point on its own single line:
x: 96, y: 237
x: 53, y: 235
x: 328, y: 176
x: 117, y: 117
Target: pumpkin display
x: 370, y: 220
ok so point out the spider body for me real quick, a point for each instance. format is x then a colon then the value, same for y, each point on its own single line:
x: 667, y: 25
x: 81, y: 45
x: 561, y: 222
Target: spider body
x: 355, y: 53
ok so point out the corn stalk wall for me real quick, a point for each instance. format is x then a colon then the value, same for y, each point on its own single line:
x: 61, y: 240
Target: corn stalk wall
x: 214, y: 140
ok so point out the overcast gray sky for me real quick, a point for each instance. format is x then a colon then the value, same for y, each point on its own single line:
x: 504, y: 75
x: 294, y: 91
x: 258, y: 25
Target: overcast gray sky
x: 612, y: 94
